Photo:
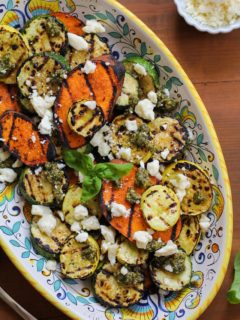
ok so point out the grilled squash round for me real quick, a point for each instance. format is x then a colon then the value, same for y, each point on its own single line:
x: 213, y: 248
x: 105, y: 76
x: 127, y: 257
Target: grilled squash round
x: 83, y: 120
x: 128, y: 253
x: 199, y: 195
x: 160, y: 207
x: 169, y: 139
x: 79, y: 260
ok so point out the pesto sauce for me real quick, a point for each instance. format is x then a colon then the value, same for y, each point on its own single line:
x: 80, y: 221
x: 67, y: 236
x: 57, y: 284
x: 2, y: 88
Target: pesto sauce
x: 5, y: 65
x: 165, y: 103
x: 142, y: 179
x: 89, y: 254
x: 176, y: 261
x: 141, y: 138
x: 154, y: 245
x: 53, y: 30
x: 131, y: 278
x: 56, y: 177
x: 132, y: 196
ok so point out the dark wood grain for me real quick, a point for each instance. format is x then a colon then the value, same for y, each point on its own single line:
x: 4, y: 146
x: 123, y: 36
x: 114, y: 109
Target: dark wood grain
x: 213, y: 64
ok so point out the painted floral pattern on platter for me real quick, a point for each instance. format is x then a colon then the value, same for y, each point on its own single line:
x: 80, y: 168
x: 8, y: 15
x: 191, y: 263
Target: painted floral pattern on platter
x: 124, y: 41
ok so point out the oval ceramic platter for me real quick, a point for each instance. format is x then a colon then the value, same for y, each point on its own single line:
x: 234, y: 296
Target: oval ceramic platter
x: 127, y: 36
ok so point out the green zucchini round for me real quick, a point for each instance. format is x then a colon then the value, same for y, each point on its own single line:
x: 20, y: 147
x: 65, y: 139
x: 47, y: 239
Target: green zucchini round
x: 129, y: 254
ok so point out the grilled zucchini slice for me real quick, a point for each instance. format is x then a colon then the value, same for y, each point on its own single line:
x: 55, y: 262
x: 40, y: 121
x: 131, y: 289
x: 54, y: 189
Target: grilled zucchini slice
x: 131, y: 89
x: 13, y: 52
x: 112, y: 293
x: 168, y: 134
x: 45, y: 33
x: 199, y: 195
x: 49, y: 246
x: 122, y: 138
x: 129, y: 254
x: 172, y: 281
x: 97, y: 48
x: 190, y: 234
x: 37, y: 188
x: 40, y: 73
x: 160, y: 207
x: 83, y: 120
x: 79, y: 260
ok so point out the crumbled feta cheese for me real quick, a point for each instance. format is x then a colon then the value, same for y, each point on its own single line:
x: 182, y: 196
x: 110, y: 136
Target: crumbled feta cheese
x: 104, y: 149
x: 131, y: 125
x: 93, y: 26
x: 140, y: 69
x: 168, y: 268
x: 46, y: 124
x: 144, y: 109
x: 204, y: 223
x: 82, y: 237
x: 17, y: 164
x: 91, y: 156
x: 119, y: 210
x: 169, y: 249
x: 61, y: 165
x: 152, y: 96
x: 104, y: 246
x: 123, y: 100
x: 38, y: 170
x: 112, y: 253
x: 80, y: 177
x: 101, y: 140
x: 142, y: 239
x: 61, y: 215
x: 89, y: 67
x: 181, y: 184
x: 38, y: 210
x: 41, y: 104
x: 80, y: 212
x: 142, y: 164
x: 7, y: 175
x: 166, y: 92
x: 47, y: 223
x: 4, y: 155
x: 90, y: 104
x: 153, y: 169
x: 108, y: 233
x: 124, y: 270
x: 28, y: 83
x: 90, y: 223
x: 165, y: 153
x: 51, y: 265
x: 77, y: 42
x: 124, y: 153
x: 75, y: 227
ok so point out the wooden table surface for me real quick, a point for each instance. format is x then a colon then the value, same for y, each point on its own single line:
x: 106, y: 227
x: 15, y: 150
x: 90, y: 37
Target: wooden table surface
x: 213, y: 64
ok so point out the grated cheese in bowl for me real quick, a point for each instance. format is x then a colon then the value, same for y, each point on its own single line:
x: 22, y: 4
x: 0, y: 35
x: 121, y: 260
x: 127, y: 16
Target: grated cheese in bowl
x: 214, y: 13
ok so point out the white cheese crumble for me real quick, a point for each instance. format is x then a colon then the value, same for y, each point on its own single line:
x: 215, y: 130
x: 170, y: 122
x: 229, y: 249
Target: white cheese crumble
x: 166, y: 92
x: 38, y: 171
x: 4, y: 155
x: 80, y: 177
x: 47, y: 223
x: 131, y: 125
x: 17, y: 164
x: 75, y: 227
x: 153, y: 169
x: 90, y: 223
x: 93, y: 26
x: 169, y: 249
x: 112, y: 253
x: 104, y: 149
x: 124, y: 270
x: 46, y: 124
x: 168, y: 268
x: 165, y: 153
x: 119, y: 210
x: 51, y: 265
x: 123, y: 100
x: 101, y: 140
x: 181, y: 184
x: 142, y: 239
x: 124, y: 153
x: 41, y: 104
x: 7, y: 175
x: 80, y: 212
x: 152, y: 96
x: 89, y: 67
x: 204, y: 223
x: 61, y: 215
x: 108, y: 233
x: 77, y: 42
x: 144, y: 109
x: 90, y: 104
x: 139, y: 69
x: 82, y: 237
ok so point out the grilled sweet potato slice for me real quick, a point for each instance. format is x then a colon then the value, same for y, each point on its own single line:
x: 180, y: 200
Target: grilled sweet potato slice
x: 72, y: 24
x: 22, y: 139
x: 127, y: 226
x: 8, y: 98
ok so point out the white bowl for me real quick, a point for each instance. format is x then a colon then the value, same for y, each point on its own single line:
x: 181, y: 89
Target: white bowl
x: 203, y: 27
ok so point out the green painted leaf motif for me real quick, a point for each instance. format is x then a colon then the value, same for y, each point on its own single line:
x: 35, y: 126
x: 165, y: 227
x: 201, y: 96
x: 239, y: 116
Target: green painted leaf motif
x: 157, y: 58
x: 176, y: 81
x: 15, y: 243
x: 70, y: 281
x: 101, y: 15
x: 200, y: 139
x: 40, y: 264
x: 25, y: 254
x: 202, y: 155
x: 168, y: 84
x: 143, y: 49
x: 57, y: 285
x: 167, y: 69
x: 71, y: 298
x: 115, y: 35
x: 89, y: 17
x: 16, y: 227
x: 131, y: 55
x: 125, y: 29
x: 215, y: 172
x: 10, y: 5
x: 82, y: 300
x: 186, y: 115
x: 110, y: 16
x: 27, y: 243
x: 92, y: 299
x: 6, y: 230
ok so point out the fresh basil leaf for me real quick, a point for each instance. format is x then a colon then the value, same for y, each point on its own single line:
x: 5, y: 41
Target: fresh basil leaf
x: 112, y: 171
x: 91, y: 187
x: 233, y: 294
x: 78, y: 161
